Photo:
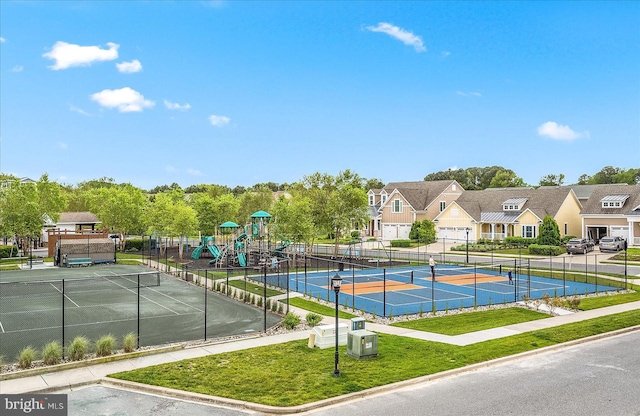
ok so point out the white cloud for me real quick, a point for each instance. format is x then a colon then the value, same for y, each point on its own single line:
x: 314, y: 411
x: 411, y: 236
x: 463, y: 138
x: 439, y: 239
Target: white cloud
x: 126, y: 100
x: 557, y: 131
x: 194, y: 172
x: 219, y: 121
x: 78, y: 110
x: 129, y: 67
x: 67, y: 55
x: 17, y: 68
x: 445, y: 53
x: 176, y: 106
x: 2, y: 40
x: 469, y: 94
x: 400, y: 34
x: 63, y: 145
x: 169, y: 168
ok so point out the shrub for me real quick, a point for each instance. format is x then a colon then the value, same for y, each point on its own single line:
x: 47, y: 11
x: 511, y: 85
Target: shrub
x: 26, y: 357
x: 6, y: 251
x: 134, y: 244
x: 313, y: 319
x: 105, y: 345
x: 78, y: 348
x: 291, y: 320
x: 574, y: 302
x: 52, y: 353
x: 515, y: 241
x: 545, y: 250
x: 259, y: 303
x: 280, y: 308
x: 130, y: 341
x: 400, y: 243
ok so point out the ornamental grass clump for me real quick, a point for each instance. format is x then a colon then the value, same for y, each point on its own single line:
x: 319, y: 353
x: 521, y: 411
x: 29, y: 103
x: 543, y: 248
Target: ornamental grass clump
x: 291, y: 321
x: 52, y: 353
x: 313, y: 319
x: 105, y: 345
x: 26, y: 357
x: 129, y: 342
x: 78, y: 348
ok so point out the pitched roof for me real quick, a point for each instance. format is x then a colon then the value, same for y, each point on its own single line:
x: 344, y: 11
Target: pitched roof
x: 420, y: 194
x: 593, y: 206
x: 583, y: 192
x: 78, y: 218
x: 484, y: 205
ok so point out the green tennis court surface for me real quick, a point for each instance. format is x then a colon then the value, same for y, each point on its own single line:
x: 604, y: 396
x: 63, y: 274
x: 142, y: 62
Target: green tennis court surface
x: 43, y: 305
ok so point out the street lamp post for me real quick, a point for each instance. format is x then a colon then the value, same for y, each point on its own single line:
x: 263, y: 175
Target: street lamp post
x: 467, y: 230
x: 336, y: 281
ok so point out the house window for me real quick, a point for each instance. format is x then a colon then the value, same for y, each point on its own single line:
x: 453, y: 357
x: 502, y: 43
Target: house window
x: 397, y: 205
x: 566, y: 228
x: 453, y: 187
x: 443, y: 205
x: 371, y: 200
x: 616, y: 204
x: 529, y: 231
x: 384, y: 199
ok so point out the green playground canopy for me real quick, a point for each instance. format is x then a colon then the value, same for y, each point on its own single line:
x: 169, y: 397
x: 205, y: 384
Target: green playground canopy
x: 229, y: 224
x: 260, y: 214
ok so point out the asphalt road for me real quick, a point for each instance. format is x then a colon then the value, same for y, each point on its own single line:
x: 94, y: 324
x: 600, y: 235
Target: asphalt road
x: 598, y: 378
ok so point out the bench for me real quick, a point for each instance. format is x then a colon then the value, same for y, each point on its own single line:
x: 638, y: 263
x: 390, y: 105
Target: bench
x: 79, y: 262
x: 104, y: 261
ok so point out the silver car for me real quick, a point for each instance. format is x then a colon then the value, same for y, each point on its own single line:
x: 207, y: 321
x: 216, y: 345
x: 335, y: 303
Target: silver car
x: 611, y: 244
x: 580, y: 245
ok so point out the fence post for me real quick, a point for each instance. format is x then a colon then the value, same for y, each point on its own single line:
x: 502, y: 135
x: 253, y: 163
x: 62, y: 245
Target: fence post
x: 287, y: 263
x: 264, y: 284
x: 595, y: 265
x: 138, y: 341
x: 564, y: 277
x: 475, y: 285
x: 384, y: 292
x: 63, y: 294
x: 206, y: 282
x: 227, y: 287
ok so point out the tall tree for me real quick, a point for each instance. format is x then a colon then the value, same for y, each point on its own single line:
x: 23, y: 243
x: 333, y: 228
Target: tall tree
x: 120, y: 208
x: 552, y: 180
x: 292, y: 219
x: 506, y: 179
x: 259, y: 199
x: 549, y: 234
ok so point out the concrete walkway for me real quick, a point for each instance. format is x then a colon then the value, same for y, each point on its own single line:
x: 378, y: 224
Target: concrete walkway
x: 91, y: 374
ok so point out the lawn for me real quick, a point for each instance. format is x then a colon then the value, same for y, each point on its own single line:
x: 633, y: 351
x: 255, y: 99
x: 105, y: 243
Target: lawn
x: 292, y: 374
x: 253, y: 288
x: 318, y: 308
x: 470, y: 322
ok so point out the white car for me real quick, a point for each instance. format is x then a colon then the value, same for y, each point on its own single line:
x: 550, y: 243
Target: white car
x: 611, y: 244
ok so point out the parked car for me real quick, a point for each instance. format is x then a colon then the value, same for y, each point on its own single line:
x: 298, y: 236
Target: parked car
x: 580, y: 245
x: 611, y: 244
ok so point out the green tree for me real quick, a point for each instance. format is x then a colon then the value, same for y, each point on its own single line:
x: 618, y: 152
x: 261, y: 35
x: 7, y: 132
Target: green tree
x: 292, y: 219
x: 120, y: 208
x: 423, y: 231
x: 549, y: 234
x: 203, y: 204
x: 373, y: 184
x: 225, y: 208
x: 184, y: 221
x: 552, y: 180
x: 253, y: 201
x: 24, y: 207
x: 506, y: 179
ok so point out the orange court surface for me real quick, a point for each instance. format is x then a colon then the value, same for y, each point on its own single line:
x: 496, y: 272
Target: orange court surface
x: 468, y: 279
x: 377, y: 286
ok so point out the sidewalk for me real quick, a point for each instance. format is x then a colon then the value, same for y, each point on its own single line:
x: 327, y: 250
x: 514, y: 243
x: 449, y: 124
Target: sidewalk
x: 92, y: 374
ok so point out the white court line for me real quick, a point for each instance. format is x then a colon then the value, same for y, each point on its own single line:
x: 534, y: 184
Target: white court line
x: 65, y: 295
x: 150, y: 300
x: 1, y: 327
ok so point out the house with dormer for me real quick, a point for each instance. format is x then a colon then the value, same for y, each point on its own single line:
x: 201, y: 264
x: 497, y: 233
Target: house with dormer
x: 612, y: 210
x: 499, y: 213
x: 395, y: 208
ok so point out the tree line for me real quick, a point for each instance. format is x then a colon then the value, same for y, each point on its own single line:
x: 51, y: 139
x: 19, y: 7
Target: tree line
x: 318, y: 203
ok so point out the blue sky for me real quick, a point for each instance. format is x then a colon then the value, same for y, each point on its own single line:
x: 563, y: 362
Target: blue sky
x: 236, y: 93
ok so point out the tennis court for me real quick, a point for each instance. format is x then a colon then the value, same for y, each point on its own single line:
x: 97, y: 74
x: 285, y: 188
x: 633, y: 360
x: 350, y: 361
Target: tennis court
x: 410, y: 290
x: 39, y: 306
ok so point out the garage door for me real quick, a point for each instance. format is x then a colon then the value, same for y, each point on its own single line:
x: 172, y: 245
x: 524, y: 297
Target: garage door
x: 619, y: 232
x: 447, y: 233
x: 389, y: 231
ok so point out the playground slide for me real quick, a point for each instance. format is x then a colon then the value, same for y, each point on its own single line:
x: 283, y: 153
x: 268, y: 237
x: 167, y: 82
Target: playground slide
x: 279, y: 250
x: 242, y: 259
x: 195, y: 254
x: 213, y: 249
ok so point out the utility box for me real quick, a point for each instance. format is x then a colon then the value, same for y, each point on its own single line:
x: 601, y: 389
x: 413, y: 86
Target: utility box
x: 325, y: 335
x: 357, y: 323
x: 362, y: 344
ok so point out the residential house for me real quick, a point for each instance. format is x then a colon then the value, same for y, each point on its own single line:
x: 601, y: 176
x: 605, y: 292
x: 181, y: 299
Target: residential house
x: 398, y: 205
x: 500, y: 213
x: 613, y: 210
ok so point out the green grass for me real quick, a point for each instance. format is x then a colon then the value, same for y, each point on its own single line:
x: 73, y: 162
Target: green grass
x: 253, y: 288
x: 474, y: 321
x: 319, y: 309
x: 603, y: 301
x: 292, y: 374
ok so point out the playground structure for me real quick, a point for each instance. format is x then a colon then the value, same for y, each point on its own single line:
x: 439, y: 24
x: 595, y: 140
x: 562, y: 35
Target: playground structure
x: 243, y: 246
